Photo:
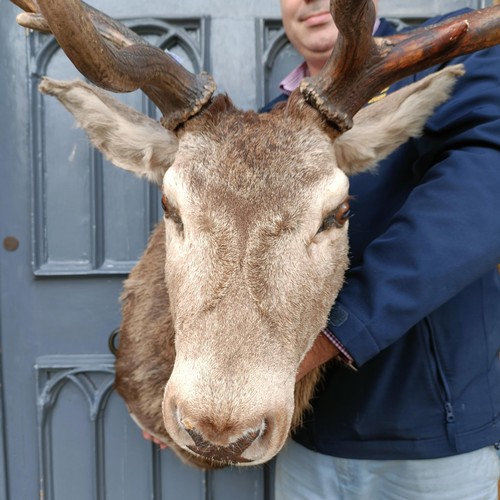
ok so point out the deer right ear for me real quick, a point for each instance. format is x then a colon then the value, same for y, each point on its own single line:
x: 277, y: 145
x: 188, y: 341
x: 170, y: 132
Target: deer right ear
x: 127, y: 138
x: 381, y: 127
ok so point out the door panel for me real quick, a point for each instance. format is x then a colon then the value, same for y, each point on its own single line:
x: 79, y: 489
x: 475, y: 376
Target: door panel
x: 71, y: 228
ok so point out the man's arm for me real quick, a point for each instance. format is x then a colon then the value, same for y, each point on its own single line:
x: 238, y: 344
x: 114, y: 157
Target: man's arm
x: 445, y: 236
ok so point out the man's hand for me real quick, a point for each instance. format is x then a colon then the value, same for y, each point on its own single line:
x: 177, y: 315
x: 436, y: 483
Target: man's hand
x: 322, y: 351
x: 149, y: 437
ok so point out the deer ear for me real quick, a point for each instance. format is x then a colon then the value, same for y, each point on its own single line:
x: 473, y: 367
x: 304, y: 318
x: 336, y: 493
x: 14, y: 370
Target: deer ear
x: 381, y: 127
x: 126, y: 137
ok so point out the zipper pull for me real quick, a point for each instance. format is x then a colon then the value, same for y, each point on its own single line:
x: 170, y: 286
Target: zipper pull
x: 450, y: 425
x: 450, y: 416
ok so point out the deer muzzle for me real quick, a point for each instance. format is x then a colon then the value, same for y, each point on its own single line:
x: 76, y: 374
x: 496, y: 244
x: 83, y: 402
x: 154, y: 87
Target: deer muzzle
x: 227, y: 425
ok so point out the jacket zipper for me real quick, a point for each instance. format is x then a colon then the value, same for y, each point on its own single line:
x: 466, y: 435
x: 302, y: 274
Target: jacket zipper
x: 448, y: 406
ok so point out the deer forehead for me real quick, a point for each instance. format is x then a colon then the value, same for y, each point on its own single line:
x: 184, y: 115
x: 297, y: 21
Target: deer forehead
x: 256, y: 172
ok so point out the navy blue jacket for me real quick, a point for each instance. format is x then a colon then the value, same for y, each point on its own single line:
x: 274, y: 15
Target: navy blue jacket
x: 420, y: 311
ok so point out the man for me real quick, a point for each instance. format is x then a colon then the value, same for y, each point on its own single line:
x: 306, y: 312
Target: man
x: 419, y: 316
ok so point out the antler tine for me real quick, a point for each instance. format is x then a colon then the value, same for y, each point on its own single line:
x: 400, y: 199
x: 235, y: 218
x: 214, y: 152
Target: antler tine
x: 130, y: 64
x: 360, y: 66
x: 113, y: 31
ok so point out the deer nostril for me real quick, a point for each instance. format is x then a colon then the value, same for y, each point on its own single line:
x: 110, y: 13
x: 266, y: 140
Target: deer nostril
x: 188, y: 426
x: 231, y: 453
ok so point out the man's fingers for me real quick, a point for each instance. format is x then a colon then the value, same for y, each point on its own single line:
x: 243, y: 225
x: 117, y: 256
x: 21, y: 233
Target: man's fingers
x: 155, y: 440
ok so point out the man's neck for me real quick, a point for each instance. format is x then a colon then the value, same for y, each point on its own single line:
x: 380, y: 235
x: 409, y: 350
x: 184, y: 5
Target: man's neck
x: 314, y: 67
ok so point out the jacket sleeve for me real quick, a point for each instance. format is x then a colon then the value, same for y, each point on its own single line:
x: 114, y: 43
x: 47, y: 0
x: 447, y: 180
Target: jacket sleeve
x: 447, y: 233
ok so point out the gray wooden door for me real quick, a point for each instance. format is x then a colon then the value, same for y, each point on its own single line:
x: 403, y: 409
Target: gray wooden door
x: 72, y: 226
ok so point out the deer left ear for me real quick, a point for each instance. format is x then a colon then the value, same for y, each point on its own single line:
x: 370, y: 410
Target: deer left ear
x: 127, y: 138
x: 381, y: 127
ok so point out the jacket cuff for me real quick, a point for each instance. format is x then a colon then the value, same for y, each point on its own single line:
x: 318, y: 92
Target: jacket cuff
x: 352, y: 334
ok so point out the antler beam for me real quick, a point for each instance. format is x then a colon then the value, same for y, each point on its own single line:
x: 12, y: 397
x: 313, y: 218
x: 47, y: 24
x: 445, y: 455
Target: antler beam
x: 117, y: 59
x: 360, y: 65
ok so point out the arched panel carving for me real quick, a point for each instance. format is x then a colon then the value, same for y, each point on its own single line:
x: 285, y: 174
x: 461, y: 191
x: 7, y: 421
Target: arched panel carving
x: 86, y: 439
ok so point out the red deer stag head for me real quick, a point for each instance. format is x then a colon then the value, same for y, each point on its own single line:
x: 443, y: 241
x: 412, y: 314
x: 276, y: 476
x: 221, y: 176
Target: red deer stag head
x: 239, y: 278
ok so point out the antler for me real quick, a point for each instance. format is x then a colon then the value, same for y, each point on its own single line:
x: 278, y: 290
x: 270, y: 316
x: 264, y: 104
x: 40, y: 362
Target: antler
x: 124, y: 64
x: 360, y: 65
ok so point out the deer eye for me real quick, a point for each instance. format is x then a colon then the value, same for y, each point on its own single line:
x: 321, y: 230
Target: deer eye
x: 171, y: 213
x: 336, y: 218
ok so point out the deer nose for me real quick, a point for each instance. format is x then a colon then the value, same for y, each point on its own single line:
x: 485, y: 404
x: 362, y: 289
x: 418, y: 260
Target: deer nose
x: 222, y: 446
